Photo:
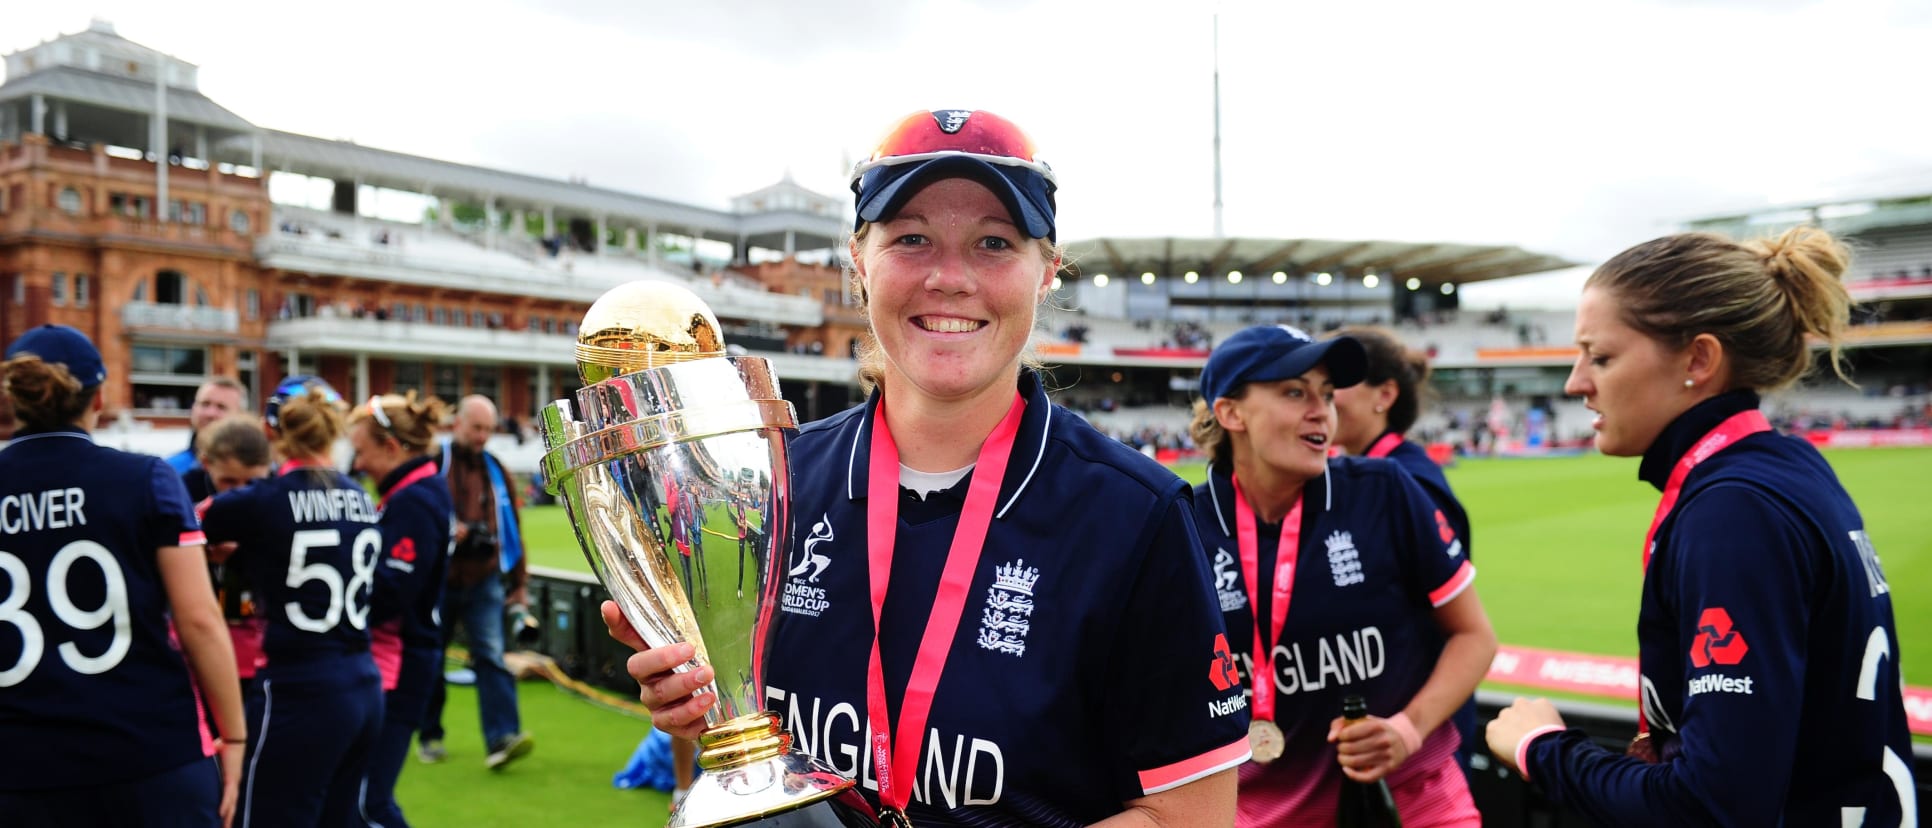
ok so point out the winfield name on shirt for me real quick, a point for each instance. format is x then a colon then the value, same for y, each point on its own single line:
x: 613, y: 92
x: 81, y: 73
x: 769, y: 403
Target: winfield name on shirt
x: 331, y: 505
x: 956, y: 771
x: 1340, y: 659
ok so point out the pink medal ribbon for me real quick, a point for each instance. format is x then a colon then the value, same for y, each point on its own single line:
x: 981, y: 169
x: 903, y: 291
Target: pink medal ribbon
x: 1283, y: 591
x: 1740, y: 425
x: 895, y: 765
x: 1385, y: 445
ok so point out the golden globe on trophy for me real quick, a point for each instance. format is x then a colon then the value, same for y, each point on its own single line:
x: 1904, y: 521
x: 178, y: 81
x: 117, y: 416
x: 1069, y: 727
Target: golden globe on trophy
x: 671, y: 465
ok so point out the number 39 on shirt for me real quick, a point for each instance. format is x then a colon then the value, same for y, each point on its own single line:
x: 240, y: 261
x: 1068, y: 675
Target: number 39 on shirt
x: 33, y: 637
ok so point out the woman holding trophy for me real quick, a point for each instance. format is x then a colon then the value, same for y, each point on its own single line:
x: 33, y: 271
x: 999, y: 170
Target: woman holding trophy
x: 991, y: 613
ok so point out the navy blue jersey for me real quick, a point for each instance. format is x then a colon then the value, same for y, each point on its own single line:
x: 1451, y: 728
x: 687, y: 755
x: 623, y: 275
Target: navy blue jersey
x: 1372, y: 566
x: 1768, y: 652
x: 416, y: 530
x: 312, y: 540
x: 91, y: 690
x: 188, y: 464
x: 1415, y: 460
x: 1084, y: 672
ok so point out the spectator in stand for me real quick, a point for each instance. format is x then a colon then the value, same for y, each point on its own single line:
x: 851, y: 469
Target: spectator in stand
x: 1765, y: 631
x: 218, y: 397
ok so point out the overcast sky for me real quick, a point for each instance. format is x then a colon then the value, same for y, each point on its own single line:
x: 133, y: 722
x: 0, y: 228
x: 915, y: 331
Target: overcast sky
x: 1576, y: 129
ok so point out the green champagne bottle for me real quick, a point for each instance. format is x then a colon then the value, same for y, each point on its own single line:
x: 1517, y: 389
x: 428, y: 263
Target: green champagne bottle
x: 1364, y: 804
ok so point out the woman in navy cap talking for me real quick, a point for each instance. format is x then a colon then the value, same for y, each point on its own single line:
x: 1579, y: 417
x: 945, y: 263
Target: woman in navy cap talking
x: 1014, y: 607
x: 98, y: 550
x: 1336, y: 578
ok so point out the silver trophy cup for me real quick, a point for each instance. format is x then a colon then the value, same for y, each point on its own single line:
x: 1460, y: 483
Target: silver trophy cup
x: 671, y: 465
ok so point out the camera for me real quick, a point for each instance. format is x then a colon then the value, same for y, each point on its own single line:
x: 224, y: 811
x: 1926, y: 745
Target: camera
x: 479, y: 540
x: 524, y: 628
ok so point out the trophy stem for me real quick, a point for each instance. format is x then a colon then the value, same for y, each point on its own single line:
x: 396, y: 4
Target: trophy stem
x: 744, y: 740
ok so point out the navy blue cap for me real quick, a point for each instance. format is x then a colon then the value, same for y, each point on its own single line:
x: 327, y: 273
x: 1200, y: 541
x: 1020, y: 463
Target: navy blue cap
x: 1027, y: 194
x: 928, y: 146
x: 296, y: 386
x: 66, y: 347
x: 1266, y: 353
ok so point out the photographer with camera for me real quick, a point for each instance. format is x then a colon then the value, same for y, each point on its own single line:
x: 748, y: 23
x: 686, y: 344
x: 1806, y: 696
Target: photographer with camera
x: 486, y: 575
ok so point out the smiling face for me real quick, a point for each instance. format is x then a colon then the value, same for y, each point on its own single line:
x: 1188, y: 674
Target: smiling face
x: 376, y: 453
x: 1285, y: 426
x: 1633, y: 383
x: 951, y: 288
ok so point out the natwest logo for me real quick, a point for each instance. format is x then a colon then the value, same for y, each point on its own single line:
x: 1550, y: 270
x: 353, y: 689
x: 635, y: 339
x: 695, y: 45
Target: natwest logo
x: 1221, y: 668
x: 1717, y: 642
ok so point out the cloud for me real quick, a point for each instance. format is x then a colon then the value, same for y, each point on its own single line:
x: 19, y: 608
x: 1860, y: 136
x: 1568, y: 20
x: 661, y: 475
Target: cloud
x: 1573, y: 129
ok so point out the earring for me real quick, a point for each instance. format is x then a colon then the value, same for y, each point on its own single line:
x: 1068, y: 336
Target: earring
x: 1690, y: 383
x: 1378, y: 409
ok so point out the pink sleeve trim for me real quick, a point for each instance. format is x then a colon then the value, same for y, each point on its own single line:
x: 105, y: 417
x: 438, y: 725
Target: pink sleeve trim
x: 1187, y: 770
x: 1454, y: 586
x: 195, y: 538
x: 1522, y: 747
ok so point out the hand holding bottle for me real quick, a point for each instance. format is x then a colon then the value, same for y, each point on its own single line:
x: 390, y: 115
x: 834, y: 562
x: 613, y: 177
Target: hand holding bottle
x: 1371, y: 747
x: 1368, y: 749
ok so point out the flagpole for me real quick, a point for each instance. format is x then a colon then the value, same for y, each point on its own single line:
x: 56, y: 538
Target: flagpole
x: 1217, y: 126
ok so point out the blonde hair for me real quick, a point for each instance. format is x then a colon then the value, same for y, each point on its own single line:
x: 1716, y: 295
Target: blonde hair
x: 872, y: 361
x: 412, y: 420
x: 308, y: 426
x: 44, y: 394
x: 1209, y: 436
x: 1759, y: 298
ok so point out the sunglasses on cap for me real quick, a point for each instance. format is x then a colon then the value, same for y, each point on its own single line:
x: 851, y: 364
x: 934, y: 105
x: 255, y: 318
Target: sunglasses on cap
x: 943, y: 133
x: 927, y: 146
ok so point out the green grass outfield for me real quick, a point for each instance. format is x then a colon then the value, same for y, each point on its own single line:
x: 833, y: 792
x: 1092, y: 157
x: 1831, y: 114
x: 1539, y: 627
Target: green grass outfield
x: 1557, y: 544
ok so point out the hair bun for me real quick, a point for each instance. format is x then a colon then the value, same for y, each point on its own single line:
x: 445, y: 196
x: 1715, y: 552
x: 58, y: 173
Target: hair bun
x: 1803, y: 254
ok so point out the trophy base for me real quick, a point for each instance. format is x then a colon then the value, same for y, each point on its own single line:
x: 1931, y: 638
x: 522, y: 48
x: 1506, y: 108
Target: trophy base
x: 783, y: 791
x: 847, y: 809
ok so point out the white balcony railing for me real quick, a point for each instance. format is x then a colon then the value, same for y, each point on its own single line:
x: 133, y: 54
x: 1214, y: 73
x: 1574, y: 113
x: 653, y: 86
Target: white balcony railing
x: 487, y: 271
x: 180, y: 317
x: 390, y: 339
